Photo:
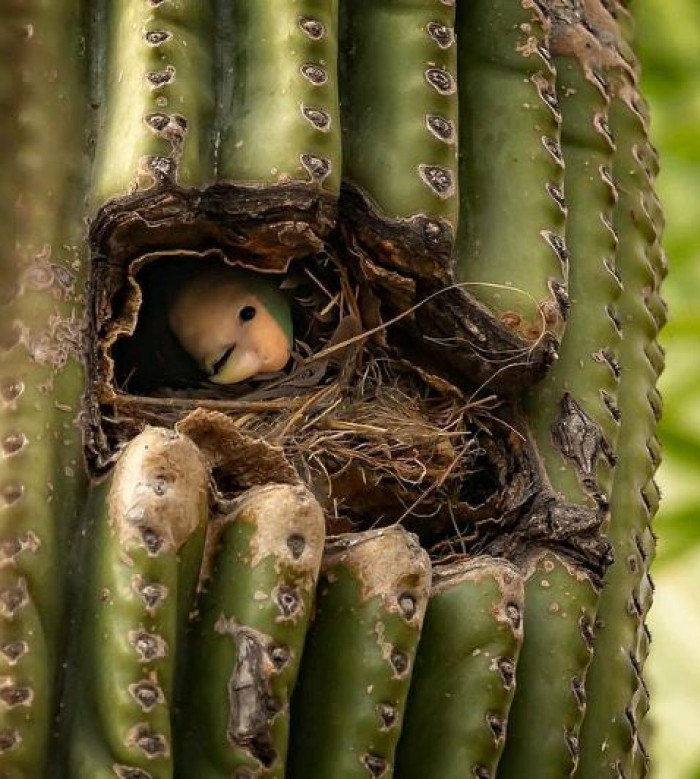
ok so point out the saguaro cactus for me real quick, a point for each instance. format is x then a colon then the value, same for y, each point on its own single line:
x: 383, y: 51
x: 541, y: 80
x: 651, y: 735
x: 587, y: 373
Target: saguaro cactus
x: 420, y: 547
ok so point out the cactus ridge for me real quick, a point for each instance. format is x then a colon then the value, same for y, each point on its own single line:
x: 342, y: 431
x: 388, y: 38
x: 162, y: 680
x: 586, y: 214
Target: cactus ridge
x: 246, y: 645
x: 371, y: 601
x: 512, y: 212
x: 149, y: 528
x: 464, y: 679
x: 43, y: 130
x: 610, y: 740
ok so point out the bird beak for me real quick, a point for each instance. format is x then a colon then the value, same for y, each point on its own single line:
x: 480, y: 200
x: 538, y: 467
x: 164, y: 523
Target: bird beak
x: 241, y: 365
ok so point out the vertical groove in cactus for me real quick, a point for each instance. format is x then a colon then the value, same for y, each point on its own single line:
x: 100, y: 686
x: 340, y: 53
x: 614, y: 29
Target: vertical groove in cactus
x: 158, y: 97
x: 544, y: 720
x: 147, y: 536
x: 279, y: 118
x: 44, y: 123
x: 510, y: 244
x: 247, y: 642
x: 610, y: 740
x: 399, y: 94
x: 349, y: 704
x: 464, y: 679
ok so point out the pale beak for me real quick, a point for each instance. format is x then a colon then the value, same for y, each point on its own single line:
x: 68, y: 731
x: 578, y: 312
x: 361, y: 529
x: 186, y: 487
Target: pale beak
x: 241, y: 365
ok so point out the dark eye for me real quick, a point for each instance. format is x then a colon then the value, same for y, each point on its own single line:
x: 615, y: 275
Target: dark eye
x: 247, y: 313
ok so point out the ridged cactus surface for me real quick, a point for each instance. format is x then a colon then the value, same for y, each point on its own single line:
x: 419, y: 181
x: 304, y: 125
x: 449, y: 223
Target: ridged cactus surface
x: 421, y: 548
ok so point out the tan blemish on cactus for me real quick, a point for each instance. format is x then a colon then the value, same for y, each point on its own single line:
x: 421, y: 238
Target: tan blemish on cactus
x: 157, y: 37
x: 14, y: 651
x: 9, y: 739
x: 320, y: 119
x: 148, y: 646
x: 12, y: 599
x: 312, y: 28
x: 11, y: 548
x: 130, y: 772
x: 318, y: 168
x: 443, y: 129
x: 159, y: 491
x: 13, y: 695
x: 442, y: 35
x: 279, y: 512
x: 377, y: 766
x: 11, y: 493
x: 153, y: 594
x: 147, y: 694
x: 153, y: 745
x: 386, y: 563
x: 290, y: 603
x: 160, y: 78
x: 388, y: 716
x: 13, y: 443
x: 441, y: 81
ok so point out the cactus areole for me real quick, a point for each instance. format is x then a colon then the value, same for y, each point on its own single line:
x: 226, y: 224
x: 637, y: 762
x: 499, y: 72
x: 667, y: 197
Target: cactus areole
x: 327, y: 389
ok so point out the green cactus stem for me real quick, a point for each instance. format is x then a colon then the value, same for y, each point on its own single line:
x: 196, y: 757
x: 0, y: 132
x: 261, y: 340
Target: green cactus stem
x: 279, y: 118
x: 146, y: 539
x: 510, y: 244
x: 249, y: 636
x: 158, y: 100
x: 544, y: 720
x: 464, y: 679
x: 399, y: 97
x: 349, y: 703
x: 573, y: 412
x: 610, y: 740
x: 44, y: 124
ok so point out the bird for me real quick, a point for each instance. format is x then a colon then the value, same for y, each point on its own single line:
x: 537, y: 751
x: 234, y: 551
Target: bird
x: 234, y: 323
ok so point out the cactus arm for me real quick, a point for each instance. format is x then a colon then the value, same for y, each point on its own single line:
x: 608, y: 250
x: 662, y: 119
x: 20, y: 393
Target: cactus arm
x: 511, y: 219
x: 542, y: 736
x: 610, y: 741
x: 248, y: 641
x: 158, y: 100
x: 349, y: 703
x: 399, y: 97
x: 43, y: 132
x: 464, y: 678
x: 146, y: 546
x: 280, y: 116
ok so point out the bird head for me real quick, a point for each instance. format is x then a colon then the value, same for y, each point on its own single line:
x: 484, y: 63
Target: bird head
x: 234, y: 323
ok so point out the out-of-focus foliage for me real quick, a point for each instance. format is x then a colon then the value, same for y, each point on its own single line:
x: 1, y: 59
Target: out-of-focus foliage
x: 669, y: 41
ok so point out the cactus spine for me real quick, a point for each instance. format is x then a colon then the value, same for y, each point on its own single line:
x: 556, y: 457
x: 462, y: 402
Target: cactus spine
x: 43, y: 130
x: 248, y: 640
x: 147, y: 534
x: 371, y: 602
x: 464, y: 679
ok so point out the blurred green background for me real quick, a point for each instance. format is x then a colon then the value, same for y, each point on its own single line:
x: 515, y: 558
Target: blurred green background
x: 668, y: 34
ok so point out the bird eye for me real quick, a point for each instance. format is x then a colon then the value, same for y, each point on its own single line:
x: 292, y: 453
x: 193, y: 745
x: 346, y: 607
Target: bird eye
x: 247, y: 313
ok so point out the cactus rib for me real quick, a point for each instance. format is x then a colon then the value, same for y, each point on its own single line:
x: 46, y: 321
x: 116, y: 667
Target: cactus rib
x: 158, y: 98
x: 44, y: 125
x: 574, y: 413
x: 610, y: 739
x: 349, y: 703
x: 279, y: 118
x: 247, y: 643
x: 147, y: 540
x: 464, y: 679
x: 510, y: 244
